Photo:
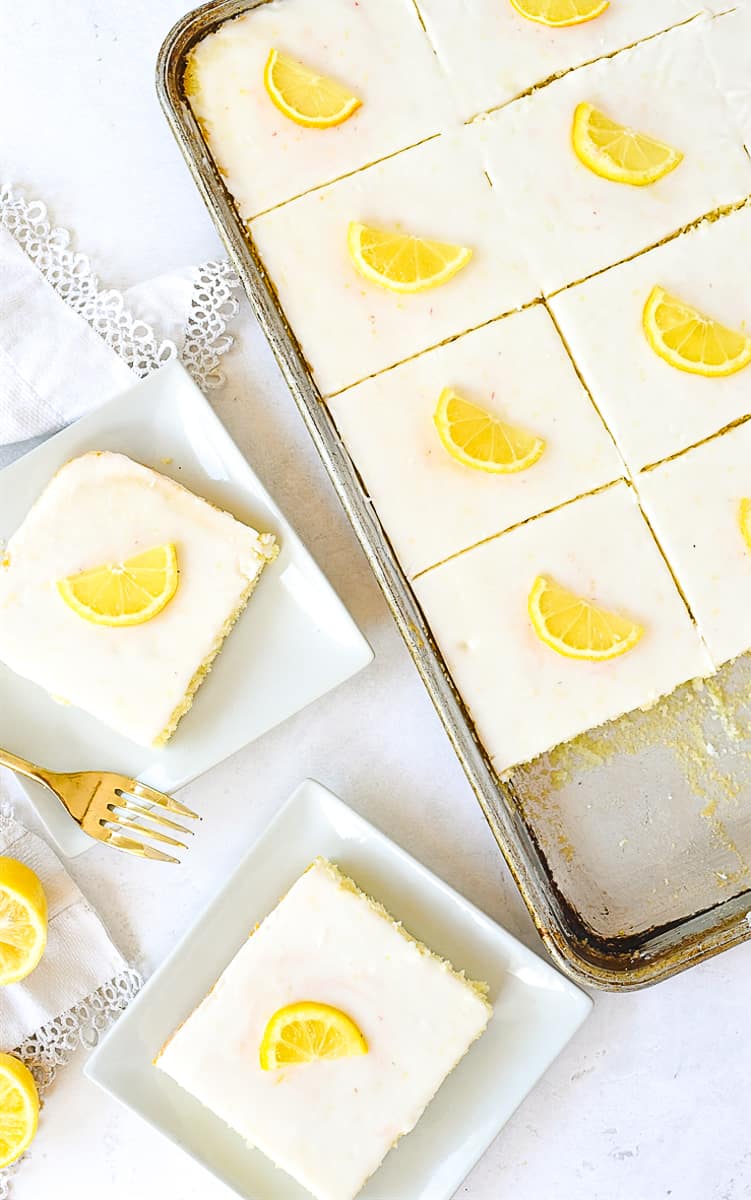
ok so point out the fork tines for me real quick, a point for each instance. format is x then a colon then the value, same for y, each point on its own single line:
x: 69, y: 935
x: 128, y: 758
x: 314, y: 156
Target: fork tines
x: 149, y: 812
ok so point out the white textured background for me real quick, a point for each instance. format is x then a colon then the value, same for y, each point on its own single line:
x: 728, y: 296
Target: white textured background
x: 652, y: 1098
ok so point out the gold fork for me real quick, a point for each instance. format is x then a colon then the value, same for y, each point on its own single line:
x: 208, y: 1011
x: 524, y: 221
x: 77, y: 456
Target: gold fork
x: 93, y: 799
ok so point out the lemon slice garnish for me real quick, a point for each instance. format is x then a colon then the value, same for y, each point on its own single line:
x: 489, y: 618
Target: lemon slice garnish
x: 691, y: 341
x: 19, y: 1108
x: 577, y: 628
x: 560, y: 12
x: 744, y: 519
x: 307, y: 1032
x: 402, y: 262
x: 125, y: 593
x: 23, y: 920
x: 304, y: 96
x: 478, y: 439
x: 619, y: 153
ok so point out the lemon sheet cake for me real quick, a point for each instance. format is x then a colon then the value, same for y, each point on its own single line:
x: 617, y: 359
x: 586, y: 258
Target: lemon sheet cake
x: 729, y: 45
x: 327, y: 1035
x: 654, y: 409
x: 571, y: 221
x: 524, y: 695
x: 129, y: 659
x: 492, y: 52
x: 350, y: 327
x: 265, y: 156
x: 431, y: 502
x: 699, y: 505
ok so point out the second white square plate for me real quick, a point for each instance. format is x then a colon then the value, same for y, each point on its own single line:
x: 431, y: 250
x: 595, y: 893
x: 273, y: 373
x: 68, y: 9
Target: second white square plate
x: 294, y: 643
x: 536, y: 1010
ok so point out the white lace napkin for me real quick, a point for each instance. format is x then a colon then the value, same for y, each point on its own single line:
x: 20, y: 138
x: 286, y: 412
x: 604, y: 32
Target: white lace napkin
x: 67, y: 344
x: 80, y: 985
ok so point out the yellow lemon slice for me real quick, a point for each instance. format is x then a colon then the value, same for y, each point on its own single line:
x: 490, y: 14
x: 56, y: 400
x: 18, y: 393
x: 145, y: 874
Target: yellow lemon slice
x: 744, y: 520
x: 618, y: 153
x: 575, y: 627
x: 19, y: 1109
x: 401, y: 262
x: 560, y: 12
x: 125, y: 593
x: 305, y: 97
x: 477, y: 439
x: 691, y: 341
x: 23, y: 920
x: 307, y: 1032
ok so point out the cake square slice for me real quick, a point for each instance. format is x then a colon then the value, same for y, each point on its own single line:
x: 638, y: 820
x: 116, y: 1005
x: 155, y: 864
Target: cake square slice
x: 694, y: 506
x: 264, y: 156
x: 573, y: 222
x: 652, y: 408
x: 524, y: 696
x: 433, y: 505
x: 492, y: 53
x: 349, y: 327
x: 328, y: 1122
x: 102, y: 508
x: 729, y: 45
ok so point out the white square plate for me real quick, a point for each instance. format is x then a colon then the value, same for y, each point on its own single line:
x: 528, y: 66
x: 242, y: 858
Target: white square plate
x: 294, y: 643
x: 536, y: 1009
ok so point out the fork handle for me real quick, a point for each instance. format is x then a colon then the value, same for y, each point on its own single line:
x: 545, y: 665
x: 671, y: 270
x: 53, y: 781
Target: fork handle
x: 22, y: 767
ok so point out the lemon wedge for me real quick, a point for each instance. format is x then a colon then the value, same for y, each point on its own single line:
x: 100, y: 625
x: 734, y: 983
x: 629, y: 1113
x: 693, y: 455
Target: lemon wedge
x: 19, y: 1109
x: 23, y: 920
x: 560, y: 12
x: 304, y: 96
x: 691, y: 341
x: 575, y: 627
x: 477, y: 439
x: 307, y: 1032
x: 124, y: 593
x: 619, y: 153
x: 402, y: 262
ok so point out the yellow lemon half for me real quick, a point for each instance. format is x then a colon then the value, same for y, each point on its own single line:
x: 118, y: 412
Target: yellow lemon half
x: 691, y: 341
x: 575, y: 627
x: 19, y: 1109
x: 617, y: 152
x: 478, y: 439
x: 23, y: 920
x: 744, y: 519
x: 560, y: 12
x: 402, y: 262
x: 307, y: 1032
x: 304, y: 96
x: 124, y: 593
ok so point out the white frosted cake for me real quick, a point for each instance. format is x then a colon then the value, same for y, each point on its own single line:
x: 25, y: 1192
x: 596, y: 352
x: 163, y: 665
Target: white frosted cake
x: 652, y: 409
x: 525, y: 697
x: 729, y: 45
x: 694, y: 505
x: 572, y: 222
x: 265, y: 157
x: 435, y: 506
x: 327, y: 1035
x: 491, y: 53
x: 122, y: 658
x: 349, y: 327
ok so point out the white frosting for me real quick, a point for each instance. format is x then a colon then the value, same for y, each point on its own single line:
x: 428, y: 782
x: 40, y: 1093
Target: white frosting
x: 653, y: 409
x: 491, y: 53
x: 433, y: 506
x: 693, y: 505
x: 328, y: 1124
x: 377, y: 50
x: 524, y: 697
x: 571, y: 222
x: 101, y: 508
x: 729, y: 45
x: 350, y: 328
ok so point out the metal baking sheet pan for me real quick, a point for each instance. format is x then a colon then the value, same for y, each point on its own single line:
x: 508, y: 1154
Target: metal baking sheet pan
x: 629, y: 845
